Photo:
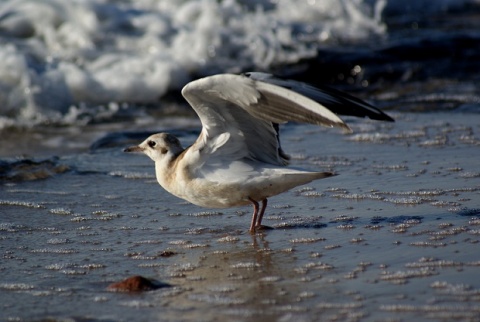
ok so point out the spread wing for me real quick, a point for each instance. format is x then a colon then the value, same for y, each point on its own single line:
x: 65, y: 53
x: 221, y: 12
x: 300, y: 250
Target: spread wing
x: 336, y: 101
x: 240, y: 114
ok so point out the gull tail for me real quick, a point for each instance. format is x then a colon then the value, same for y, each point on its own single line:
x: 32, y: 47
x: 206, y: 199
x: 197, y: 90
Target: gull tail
x: 298, y: 178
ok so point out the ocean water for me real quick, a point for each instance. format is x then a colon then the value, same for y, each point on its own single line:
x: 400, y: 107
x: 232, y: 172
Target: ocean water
x: 393, y: 237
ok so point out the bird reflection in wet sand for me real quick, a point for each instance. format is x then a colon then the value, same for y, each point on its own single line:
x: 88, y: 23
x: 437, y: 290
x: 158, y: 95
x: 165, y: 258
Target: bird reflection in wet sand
x: 237, y: 159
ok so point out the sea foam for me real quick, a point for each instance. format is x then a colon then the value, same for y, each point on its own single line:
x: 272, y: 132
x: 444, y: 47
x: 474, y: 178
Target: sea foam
x: 59, y: 57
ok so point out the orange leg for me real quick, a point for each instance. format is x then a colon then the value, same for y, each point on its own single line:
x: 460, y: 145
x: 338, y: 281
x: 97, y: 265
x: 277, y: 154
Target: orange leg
x: 254, y: 215
x: 262, y: 211
x: 257, y: 216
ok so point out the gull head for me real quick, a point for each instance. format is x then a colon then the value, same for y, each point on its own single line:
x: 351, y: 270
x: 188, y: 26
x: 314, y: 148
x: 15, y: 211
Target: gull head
x: 158, y: 147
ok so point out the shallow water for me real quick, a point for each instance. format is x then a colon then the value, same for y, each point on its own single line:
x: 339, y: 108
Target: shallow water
x: 393, y: 236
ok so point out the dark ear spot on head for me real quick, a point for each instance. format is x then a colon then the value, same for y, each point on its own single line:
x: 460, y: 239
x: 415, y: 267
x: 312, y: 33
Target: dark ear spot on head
x: 163, y: 150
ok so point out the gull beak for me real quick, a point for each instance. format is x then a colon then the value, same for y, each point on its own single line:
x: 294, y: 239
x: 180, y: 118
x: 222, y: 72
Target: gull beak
x: 134, y: 148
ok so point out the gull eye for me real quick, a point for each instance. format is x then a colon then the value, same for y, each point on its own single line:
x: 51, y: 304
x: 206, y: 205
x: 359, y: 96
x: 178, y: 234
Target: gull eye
x: 151, y: 144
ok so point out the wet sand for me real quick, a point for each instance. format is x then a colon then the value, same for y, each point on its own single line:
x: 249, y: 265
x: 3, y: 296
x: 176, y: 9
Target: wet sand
x: 394, y: 236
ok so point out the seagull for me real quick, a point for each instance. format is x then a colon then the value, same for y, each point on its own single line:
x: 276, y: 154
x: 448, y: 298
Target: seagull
x: 237, y: 159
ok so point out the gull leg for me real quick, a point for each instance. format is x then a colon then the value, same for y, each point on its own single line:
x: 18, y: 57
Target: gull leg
x: 260, y: 215
x: 254, y: 215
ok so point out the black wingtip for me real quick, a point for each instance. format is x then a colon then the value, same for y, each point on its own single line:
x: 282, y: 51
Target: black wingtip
x: 384, y: 117
x: 389, y: 119
x: 381, y: 116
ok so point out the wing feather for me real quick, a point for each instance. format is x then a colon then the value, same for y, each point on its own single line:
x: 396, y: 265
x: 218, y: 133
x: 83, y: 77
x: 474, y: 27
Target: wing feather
x: 218, y: 101
x: 338, y: 102
x: 248, y: 110
x: 281, y: 105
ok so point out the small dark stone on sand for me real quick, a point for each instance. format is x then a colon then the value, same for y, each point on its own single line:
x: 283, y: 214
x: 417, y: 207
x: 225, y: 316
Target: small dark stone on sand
x: 136, y: 284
